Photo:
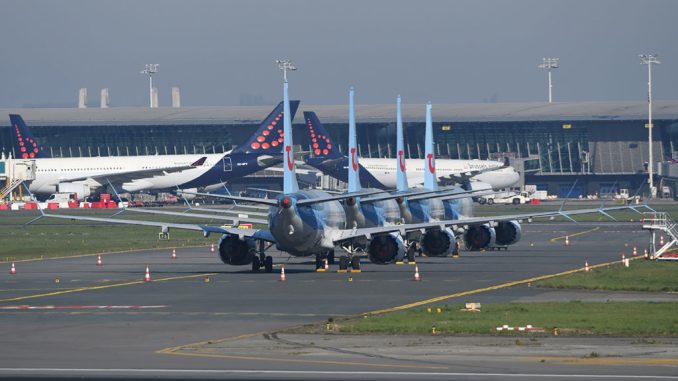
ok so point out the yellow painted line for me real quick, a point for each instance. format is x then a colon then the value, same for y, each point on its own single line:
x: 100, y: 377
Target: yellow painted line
x: 606, y: 361
x: 490, y: 288
x: 94, y: 288
x: 575, y: 234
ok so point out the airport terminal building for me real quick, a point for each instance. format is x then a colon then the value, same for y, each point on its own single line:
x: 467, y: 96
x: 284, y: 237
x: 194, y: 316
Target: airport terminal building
x: 601, y: 145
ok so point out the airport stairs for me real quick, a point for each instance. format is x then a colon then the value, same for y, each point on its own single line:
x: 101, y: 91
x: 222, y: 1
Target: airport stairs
x: 662, y: 221
x: 7, y: 190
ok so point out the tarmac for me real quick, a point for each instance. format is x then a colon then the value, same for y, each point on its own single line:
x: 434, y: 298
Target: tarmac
x: 201, y: 319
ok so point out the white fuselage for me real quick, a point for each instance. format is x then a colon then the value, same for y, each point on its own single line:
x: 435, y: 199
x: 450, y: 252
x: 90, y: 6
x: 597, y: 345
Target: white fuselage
x: 384, y: 170
x: 52, y: 171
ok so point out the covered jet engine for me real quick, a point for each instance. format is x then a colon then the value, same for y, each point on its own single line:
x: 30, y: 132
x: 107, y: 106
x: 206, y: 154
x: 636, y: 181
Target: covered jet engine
x: 236, y: 251
x: 187, y: 194
x: 478, y: 237
x: 386, y: 248
x: 507, y: 232
x: 438, y: 243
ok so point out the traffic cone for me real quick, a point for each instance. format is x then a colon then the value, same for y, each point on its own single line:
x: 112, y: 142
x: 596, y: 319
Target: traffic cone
x: 147, y: 278
x: 13, y: 269
x: 645, y: 255
x: 635, y: 251
x: 417, y: 278
x: 623, y: 257
x: 174, y: 253
x: 282, y: 274
x: 99, y: 260
x: 586, y: 266
x: 212, y: 249
x: 327, y: 265
x: 567, y: 240
x: 661, y: 240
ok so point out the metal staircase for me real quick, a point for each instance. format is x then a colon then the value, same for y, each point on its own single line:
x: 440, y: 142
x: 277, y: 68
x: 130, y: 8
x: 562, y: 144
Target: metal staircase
x: 7, y: 190
x: 662, y: 221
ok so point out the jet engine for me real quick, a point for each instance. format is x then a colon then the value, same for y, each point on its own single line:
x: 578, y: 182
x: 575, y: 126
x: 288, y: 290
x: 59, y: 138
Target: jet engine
x: 508, y: 232
x: 187, y: 194
x: 438, y: 243
x: 236, y: 251
x: 386, y: 248
x: 478, y: 237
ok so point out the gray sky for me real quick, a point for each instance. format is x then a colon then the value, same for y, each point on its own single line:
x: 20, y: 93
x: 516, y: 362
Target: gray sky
x: 442, y: 51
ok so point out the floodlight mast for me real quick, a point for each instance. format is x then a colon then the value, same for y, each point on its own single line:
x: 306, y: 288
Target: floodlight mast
x: 649, y: 59
x: 550, y: 64
x: 150, y: 69
x: 285, y: 65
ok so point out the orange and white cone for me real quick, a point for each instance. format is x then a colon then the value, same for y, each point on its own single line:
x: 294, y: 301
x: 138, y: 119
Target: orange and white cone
x: 661, y: 240
x: 12, y: 270
x: 174, y: 254
x: 327, y: 265
x: 623, y: 257
x: 645, y: 255
x: 635, y: 251
x: 567, y: 240
x: 147, y: 278
x: 417, y: 277
x: 212, y: 249
x: 99, y: 260
x: 586, y: 266
x: 282, y: 274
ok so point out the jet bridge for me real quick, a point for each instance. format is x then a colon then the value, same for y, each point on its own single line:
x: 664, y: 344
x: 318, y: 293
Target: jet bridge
x: 662, y: 222
x: 13, y: 172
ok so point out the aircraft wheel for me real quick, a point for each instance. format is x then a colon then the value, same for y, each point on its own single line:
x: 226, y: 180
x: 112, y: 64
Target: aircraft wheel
x: 490, y: 201
x: 256, y: 264
x: 319, y: 263
x: 410, y: 253
x: 343, y: 262
x: 268, y: 264
x: 355, y: 263
x: 330, y: 257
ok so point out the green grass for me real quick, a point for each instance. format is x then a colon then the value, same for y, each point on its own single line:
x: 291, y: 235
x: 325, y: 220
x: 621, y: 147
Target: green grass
x: 640, y: 276
x: 571, y: 318
x: 55, y: 237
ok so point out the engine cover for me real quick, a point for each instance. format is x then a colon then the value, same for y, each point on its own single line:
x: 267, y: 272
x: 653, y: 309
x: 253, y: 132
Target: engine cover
x: 508, y: 232
x: 437, y: 243
x: 235, y: 251
x: 386, y: 248
x: 478, y: 237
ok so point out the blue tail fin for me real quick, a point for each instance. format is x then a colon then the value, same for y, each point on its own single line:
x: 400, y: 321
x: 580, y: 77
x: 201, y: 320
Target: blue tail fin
x: 321, y: 143
x: 290, y: 184
x: 268, y: 139
x: 25, y: 145
x: 353, y: 167
x: 430, y: 178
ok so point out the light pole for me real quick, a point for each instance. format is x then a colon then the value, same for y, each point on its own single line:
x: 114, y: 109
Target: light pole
x: 550, y: 64
x: 150, y: 69
x: 285, y: 65
x: 649, y: 59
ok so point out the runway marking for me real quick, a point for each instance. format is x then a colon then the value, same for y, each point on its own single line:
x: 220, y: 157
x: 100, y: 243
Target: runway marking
x: 606, y: 361
x: 93, y: 288
x: 575, y: 234
x: 490, y: 288
x: 94, y: 254
x: 24, y: 307
x: 333, y: 373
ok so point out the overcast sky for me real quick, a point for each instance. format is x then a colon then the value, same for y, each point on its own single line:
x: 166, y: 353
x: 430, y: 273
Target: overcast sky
x: 442, y: 51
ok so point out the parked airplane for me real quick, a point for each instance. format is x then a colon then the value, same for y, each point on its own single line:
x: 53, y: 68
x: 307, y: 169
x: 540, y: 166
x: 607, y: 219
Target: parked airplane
x: 381, y: 173
x: 307, y: 223
x: 152, y: 172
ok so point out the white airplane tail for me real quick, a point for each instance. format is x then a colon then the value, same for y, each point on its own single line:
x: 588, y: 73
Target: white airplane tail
x: 430, y: 179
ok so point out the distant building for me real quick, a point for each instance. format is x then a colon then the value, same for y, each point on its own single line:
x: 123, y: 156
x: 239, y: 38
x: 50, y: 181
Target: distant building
x: 602, y: 145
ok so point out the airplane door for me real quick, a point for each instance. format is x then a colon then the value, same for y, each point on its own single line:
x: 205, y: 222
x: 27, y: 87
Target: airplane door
x: 228, y: 166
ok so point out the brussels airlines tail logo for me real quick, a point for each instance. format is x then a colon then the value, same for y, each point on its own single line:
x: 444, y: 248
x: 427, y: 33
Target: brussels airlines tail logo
x: 290, y: 162
x: 431, y: 163
x: 401, y: 160
x: 354, y: 159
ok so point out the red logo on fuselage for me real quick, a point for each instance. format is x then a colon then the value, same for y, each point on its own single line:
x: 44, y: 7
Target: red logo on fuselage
x: 401, y: 160
x: 354, y: 159
x: 290, y: 162
x: 431, y: 163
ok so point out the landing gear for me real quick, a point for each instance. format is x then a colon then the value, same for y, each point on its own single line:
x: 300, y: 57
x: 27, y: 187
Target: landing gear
x: 268, y: 264
x: 355, y: 263
x: 411, y: 251
x: 330, y: 257
x: 343, y: 262
x: 319, y: 263
x: 256, y: 264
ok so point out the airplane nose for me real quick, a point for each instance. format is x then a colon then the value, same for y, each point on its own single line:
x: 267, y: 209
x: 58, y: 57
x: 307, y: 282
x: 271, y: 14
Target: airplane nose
x: 286, y: 202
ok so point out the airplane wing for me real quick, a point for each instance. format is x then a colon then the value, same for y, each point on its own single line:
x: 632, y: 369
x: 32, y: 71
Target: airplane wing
x: 347, y: 235
x: 163, y: 225
x: 235, y: 220
x: 128, y: 176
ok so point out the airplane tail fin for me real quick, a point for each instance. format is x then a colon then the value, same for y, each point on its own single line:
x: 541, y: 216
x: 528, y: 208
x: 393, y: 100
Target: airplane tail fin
x: 290, y: 184
x: 322, y: 145
x: 401, y: 175
x: 430, y: 178
x: 25, y: 145
x: 354, y: 167
x: 268, y: 139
